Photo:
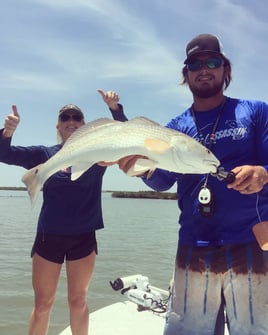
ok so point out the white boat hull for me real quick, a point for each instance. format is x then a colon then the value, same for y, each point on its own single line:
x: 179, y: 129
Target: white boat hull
x: 143, y: 314
x: 123, y: 318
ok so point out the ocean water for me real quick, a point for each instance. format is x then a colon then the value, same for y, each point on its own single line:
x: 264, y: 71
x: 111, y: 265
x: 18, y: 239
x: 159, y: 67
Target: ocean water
x: 140, y: 237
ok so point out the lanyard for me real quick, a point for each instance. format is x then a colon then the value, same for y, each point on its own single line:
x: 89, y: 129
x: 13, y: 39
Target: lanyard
x: 205, y: 194
x: 212, y: 135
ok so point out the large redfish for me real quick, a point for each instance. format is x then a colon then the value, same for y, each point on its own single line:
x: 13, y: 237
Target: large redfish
x: 109, y: 140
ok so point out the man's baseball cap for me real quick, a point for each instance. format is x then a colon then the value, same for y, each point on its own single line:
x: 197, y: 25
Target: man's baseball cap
x: 201, y: 44
x: 71, y: 108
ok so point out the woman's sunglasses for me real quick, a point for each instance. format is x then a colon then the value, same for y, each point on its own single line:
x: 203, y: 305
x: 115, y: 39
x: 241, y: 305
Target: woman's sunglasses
x: 68, y: 117
x: 211, y: 63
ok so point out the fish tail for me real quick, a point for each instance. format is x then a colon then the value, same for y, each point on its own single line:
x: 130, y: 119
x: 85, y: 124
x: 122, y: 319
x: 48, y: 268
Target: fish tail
x: 33, y: 183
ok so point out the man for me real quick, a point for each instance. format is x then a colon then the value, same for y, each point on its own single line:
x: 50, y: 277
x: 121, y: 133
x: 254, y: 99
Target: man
x: 218, y: 262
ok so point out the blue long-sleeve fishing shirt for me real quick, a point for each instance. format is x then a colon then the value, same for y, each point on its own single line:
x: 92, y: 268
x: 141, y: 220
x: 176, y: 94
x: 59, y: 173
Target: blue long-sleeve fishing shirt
x: 69, y: 207
x: 241, y: 139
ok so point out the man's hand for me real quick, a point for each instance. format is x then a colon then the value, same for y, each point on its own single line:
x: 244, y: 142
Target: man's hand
x: 110, y: 98
x: 126, y: 163
x: 104, y: 164
x: 249, y: 179
x: 11, y: 122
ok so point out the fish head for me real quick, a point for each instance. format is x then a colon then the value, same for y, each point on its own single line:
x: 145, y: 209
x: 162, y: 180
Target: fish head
x: 193, y: 157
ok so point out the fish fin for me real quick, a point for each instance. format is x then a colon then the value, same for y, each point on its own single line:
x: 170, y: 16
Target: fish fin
x: 103, y: 121
x: 144, y: 121
x: 156, y: 145
x: 141, y: 166
x: 33, y: 183
x: 78, y: 169
x: 150, y: 173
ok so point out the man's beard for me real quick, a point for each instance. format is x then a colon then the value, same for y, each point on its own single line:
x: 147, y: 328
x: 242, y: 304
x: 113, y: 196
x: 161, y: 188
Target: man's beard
x: 206, y: 91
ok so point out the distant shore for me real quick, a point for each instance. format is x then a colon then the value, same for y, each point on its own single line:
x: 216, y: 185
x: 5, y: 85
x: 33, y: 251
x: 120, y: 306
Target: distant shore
x: 117, y: 194
x: 145, y: 195
x: 12, y: 188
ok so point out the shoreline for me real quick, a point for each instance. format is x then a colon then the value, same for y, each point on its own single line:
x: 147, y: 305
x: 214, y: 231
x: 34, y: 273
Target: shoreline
x: 12, y: 188
x: 145, y: 195
x: 117, y: 194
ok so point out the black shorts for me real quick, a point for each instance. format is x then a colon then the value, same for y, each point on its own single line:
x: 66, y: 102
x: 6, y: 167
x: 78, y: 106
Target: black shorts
x: 56, y: 248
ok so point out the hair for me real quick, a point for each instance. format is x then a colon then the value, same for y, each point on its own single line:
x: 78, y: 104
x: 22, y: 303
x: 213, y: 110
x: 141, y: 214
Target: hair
x: 227, y: 68
x: 59, y: 138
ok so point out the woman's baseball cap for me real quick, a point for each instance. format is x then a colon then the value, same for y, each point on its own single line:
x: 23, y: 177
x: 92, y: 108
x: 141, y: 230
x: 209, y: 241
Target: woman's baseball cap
x: 71, y: 108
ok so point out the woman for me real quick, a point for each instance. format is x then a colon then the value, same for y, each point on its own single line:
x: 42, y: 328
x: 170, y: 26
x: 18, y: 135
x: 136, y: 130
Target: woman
x: 70, y: 215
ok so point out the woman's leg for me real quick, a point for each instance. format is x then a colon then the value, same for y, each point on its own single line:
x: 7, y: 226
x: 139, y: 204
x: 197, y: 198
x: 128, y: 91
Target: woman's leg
x: 45, y: 277
x: 79, y: 273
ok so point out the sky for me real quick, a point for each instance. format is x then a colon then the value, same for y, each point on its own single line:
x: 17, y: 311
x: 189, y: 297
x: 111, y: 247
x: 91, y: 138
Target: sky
x: 55, y: 52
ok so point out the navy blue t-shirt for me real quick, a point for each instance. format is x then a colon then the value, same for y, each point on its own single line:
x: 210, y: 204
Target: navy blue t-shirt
x: 69, y: 207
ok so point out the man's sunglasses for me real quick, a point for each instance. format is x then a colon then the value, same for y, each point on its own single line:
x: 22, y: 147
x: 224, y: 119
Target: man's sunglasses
x: 68, y: 117
x: 211, y: 63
